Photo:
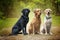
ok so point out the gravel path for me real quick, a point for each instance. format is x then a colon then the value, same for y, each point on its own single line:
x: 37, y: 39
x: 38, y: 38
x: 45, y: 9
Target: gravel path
x: 55, y: 36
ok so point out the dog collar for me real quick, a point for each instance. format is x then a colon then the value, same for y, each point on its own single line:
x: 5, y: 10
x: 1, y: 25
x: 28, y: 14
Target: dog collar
x: 25, y: 17
x: 48, y: 17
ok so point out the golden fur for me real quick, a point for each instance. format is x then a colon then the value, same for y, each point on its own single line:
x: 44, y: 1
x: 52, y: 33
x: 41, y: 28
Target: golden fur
x: 34, y: 25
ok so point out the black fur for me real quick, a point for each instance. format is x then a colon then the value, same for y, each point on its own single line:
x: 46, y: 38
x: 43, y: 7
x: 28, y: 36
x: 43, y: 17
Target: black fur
x: 21, y: 24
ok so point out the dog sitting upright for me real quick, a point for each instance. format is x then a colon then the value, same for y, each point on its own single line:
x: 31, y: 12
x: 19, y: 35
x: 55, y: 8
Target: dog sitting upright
x: 21, y: 24
x: 34, y: 26
x: 47, y: 22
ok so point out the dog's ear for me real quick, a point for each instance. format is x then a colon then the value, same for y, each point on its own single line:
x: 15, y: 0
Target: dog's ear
x: 35, y: 12
x: 50, y: 10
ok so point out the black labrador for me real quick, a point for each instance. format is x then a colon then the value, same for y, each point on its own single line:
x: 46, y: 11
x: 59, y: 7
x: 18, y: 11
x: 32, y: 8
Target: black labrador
x: 21, y: 24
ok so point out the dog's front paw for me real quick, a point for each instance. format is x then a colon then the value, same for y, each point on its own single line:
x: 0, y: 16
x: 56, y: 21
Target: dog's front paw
x: 51, y: 33
x: 46, y: 33
x: 41, y: 33
x: 25, y: 33
x: 33, y: 33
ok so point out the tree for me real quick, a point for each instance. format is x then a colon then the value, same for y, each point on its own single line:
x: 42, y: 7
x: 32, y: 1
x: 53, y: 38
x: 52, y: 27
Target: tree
x: 6, y: 7
x: 56, y: 5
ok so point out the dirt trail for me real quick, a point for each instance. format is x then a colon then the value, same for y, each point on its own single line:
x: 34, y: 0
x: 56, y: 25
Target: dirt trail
x: 55, y: 36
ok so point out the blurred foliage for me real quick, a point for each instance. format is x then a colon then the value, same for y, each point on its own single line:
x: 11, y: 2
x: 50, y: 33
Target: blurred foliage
x: 56, y: 6
x: 11, y: 10
x: 1, y: 14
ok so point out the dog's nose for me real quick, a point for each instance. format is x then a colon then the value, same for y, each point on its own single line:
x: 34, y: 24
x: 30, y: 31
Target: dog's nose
x: 38, y: 15
x: 48, y: 13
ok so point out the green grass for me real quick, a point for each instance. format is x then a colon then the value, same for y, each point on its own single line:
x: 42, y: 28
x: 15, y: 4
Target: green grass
x: 9, y: 22
x: 55, y: 20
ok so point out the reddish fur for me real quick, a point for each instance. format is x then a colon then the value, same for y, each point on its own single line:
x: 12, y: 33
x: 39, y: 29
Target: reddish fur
x: 34, y: 25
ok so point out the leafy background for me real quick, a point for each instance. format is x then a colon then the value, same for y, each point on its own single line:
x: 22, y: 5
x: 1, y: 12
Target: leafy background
x: 10, y: 11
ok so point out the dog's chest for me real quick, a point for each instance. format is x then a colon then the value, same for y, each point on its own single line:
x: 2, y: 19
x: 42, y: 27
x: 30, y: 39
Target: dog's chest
x: 25, y: 20
x: 48, y: 20
x: 37, y: 23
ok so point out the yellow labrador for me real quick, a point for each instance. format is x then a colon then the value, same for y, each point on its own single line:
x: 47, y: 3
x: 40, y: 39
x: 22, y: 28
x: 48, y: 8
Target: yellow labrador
x: 34, y: 26
x: 47, y: 22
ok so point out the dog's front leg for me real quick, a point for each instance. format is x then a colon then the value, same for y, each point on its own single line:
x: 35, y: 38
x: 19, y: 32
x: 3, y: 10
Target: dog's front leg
x: 33, y: 30
x: 50, y: 30
x: 41, y: 30
x: 24, y: 31
x: 23, y: 28
x: 45, y: 29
